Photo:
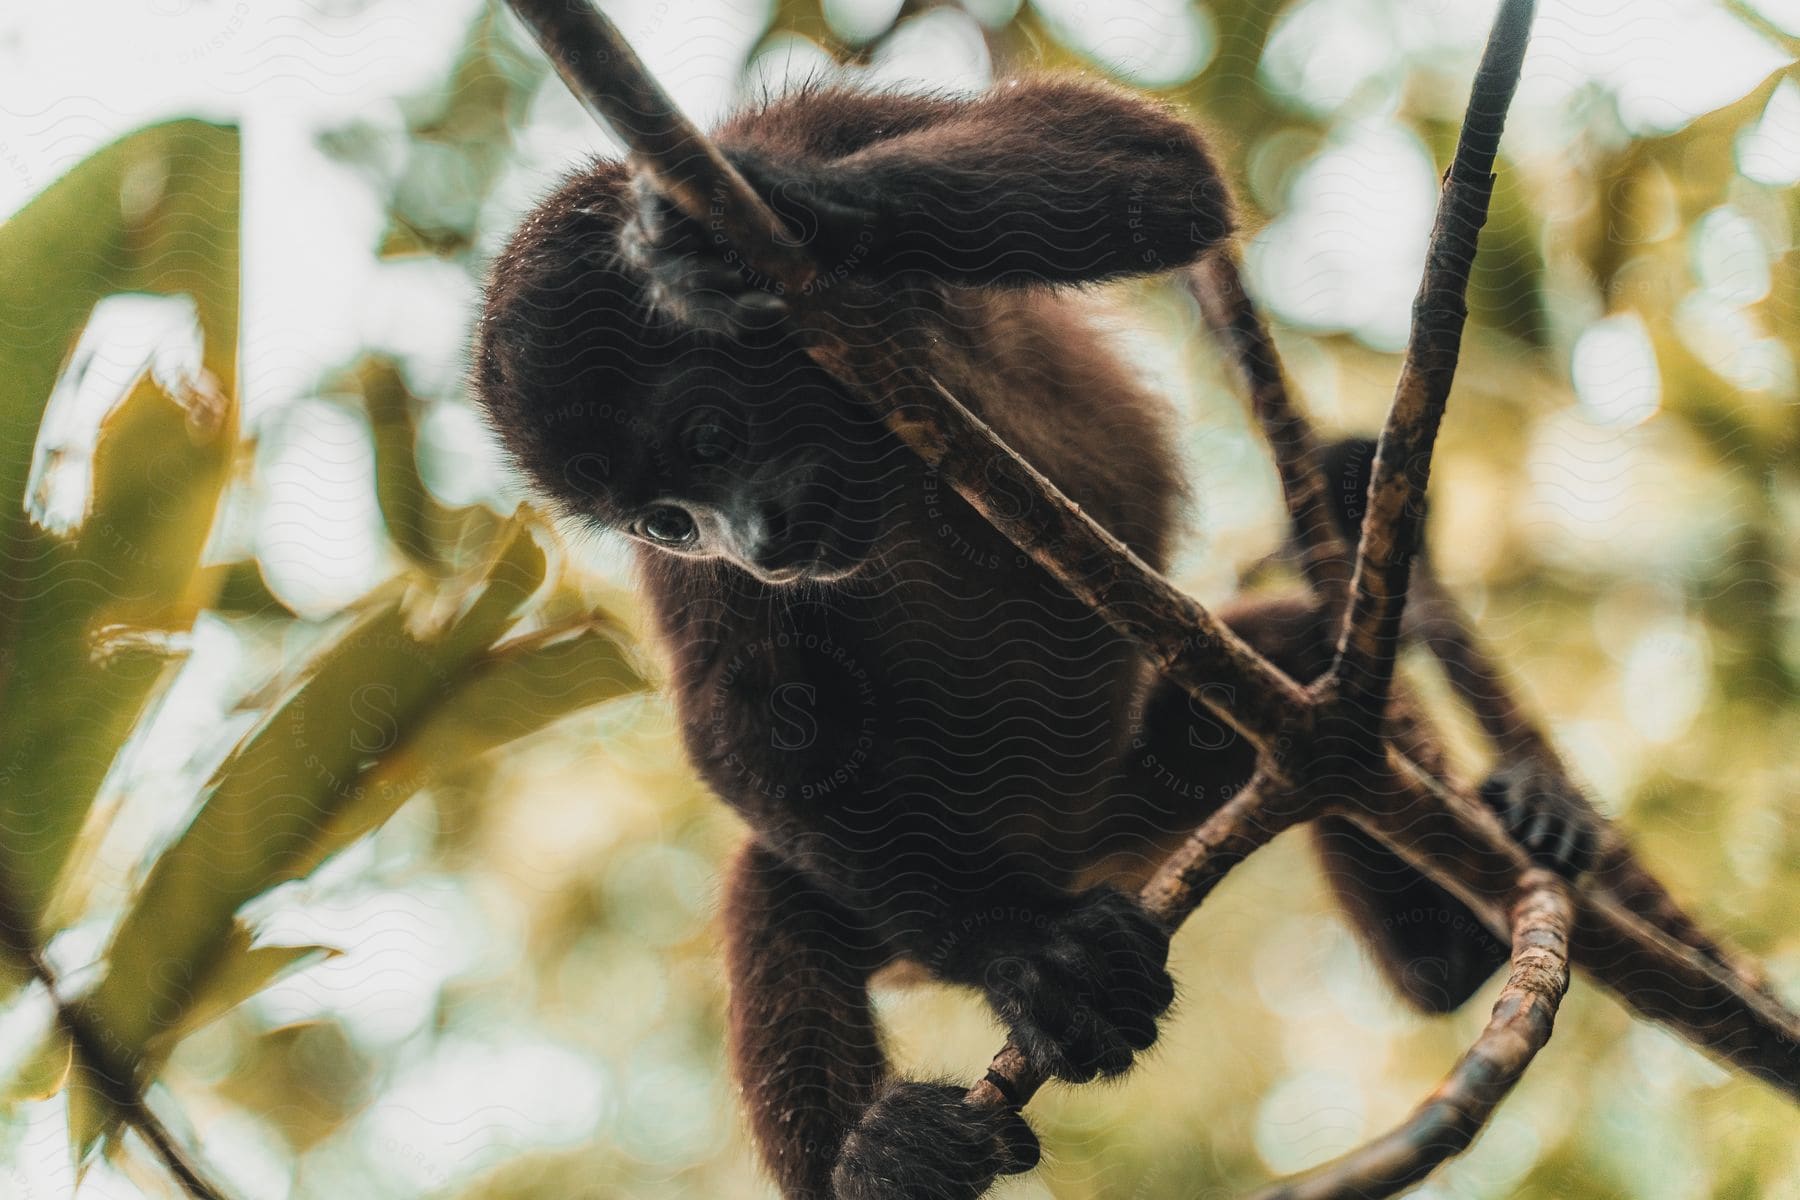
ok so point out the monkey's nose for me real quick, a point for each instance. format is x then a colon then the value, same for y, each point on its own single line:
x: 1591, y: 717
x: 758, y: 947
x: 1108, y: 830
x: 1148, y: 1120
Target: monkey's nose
x: 765, y: 537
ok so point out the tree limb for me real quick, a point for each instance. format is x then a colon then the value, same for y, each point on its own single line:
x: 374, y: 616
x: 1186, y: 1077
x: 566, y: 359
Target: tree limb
x: 1243, y: 825
x: 1218, y: 286
x: 1448, y: 1120
x: 1394, y: 522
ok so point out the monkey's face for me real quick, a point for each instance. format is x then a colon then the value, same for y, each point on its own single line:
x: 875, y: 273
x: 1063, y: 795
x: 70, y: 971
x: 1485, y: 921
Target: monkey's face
x: 754, y: 459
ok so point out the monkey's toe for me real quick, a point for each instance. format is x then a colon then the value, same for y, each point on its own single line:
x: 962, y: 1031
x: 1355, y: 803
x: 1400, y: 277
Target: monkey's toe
x: 1546, y: 816
x: 922, y: 1141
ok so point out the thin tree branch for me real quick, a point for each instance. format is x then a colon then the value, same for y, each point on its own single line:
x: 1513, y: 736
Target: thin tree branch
x: 1186, y: 643
x: 605, y: 74
x: 1218, y: 285
x: 1394, y: 521
x: 122, y: 1092
x: 117, y: 1085
x: 1448, y: 1120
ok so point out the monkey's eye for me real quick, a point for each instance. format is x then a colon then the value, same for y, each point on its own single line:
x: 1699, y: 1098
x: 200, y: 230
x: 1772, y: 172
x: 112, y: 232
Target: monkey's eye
x: 668, y: 525
x: 709, y: 443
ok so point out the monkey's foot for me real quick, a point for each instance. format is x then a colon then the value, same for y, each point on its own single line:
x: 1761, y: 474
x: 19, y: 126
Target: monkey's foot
x: 921, y: 1141
x: 1084, y: 998
x: 1547, y: 817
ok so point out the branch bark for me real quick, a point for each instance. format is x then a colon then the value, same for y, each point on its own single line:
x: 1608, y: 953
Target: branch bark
x: 1448, y: 1120
x: 1242, y: 825
x: 1218, y: 286
x: 1395, y: 519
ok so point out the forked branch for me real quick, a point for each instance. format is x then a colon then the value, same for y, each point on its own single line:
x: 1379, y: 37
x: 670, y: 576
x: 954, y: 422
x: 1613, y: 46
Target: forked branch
x: 1431, y: 617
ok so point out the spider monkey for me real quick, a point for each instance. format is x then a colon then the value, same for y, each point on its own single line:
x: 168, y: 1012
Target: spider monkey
x: 942, y: 757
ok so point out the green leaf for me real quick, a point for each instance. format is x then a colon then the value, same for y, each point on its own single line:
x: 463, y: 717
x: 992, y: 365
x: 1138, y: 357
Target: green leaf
x: 412, y: 515
x: 240, y: 971
x: 272, y: 808
x: 519, y: 689
x: 156, y: 212
x: 90, y: 1115
x: 44, y: 1073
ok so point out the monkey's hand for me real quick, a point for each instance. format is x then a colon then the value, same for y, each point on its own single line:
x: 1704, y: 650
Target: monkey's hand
x: 1545, y: 815
x: 695, y: 275
x: 1080, y: 988
x: 921, y: 1141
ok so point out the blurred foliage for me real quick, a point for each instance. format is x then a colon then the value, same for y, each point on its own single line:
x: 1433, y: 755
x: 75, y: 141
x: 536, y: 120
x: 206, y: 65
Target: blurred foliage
x: 428, y: 907
x: 420, y: 679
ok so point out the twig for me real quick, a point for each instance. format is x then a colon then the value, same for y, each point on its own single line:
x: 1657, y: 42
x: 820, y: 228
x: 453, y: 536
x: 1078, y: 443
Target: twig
x: 1186, y: 642
x: 1239, y: 328
x: 606, y: 75
x: 123, y: 1094
x: 1448, y: 1120
x: 117, y: 1085
x: 1394, y: 521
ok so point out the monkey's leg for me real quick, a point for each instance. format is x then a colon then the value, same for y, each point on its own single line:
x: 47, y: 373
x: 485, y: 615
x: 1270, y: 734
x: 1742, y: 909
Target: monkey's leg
x: 807, y: 1055
x: 1433, y: 950
x: 804, y: 1046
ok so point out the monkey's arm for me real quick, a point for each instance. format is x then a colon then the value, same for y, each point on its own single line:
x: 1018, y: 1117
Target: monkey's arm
x: 827, y: 1119
x: 1038, y: 181
x: 1049, y: 180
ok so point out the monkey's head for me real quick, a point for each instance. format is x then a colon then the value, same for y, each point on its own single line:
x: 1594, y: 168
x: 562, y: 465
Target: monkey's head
x: 697, y: 445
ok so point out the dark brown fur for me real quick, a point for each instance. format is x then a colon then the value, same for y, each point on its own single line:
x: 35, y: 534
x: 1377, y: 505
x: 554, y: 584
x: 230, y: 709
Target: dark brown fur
x: 935, y: 754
